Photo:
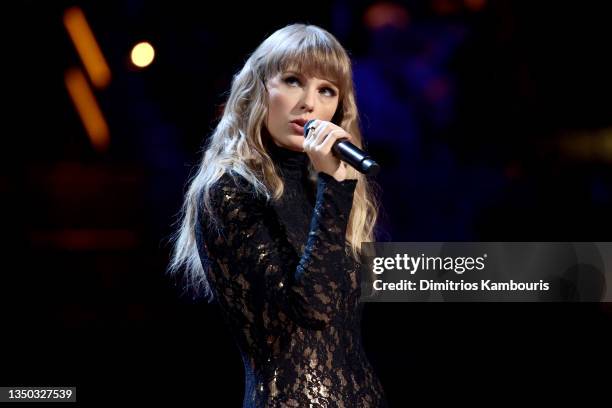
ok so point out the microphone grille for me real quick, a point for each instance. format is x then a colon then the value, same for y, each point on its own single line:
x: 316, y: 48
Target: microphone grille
x: 307, y: 125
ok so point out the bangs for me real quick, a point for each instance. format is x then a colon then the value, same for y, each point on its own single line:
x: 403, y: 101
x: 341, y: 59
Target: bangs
x: 313, y: 54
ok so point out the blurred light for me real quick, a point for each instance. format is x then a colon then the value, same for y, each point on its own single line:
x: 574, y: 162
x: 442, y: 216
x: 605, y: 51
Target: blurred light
x: 142, y: 54
x: 475, y: 5
x: 436, y: 89
x: 513, y: 171
x: 386, y: 14
x: 87, y: 108
x: 445, y: 6
x: 85, y: 239
x: 87, y: 47
x: 592, y: 145
x: 606, y: 145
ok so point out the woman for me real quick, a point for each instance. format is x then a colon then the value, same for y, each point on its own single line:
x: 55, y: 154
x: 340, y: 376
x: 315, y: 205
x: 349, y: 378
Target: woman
x: 273, y: 222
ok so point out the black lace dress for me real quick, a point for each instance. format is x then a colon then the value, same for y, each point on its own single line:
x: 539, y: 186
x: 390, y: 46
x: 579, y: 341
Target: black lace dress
x: 289, y: 291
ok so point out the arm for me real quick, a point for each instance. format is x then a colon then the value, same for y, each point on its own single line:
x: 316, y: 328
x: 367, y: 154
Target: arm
x: 250, y: 248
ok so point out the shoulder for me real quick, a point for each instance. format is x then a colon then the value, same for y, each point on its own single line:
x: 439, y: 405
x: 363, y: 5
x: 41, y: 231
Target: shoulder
x: 232, y: 190
x: 232, y: 183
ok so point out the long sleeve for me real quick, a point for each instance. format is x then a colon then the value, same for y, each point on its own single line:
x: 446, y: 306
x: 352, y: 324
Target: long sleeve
x: 259, y: 275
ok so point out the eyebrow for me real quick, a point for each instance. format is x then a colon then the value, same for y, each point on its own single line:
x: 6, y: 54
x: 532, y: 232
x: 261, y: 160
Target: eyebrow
x: 302, y: 75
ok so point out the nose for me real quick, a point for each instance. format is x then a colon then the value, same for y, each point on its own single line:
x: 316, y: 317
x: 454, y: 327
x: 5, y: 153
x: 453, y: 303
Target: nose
x: 308, y: 100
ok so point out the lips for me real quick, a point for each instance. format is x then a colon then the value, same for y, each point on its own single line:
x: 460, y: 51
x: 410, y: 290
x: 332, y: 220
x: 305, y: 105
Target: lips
x: 300, y: 122
x: 298, y: 129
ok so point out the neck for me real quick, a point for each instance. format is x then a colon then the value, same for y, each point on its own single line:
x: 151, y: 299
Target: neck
x: 291, y: 163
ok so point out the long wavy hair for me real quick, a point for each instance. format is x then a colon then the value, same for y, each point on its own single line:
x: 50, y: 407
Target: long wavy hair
x: 236, y: 146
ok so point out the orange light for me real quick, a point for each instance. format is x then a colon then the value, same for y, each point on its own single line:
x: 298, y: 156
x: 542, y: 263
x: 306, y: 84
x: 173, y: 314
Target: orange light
x: 445, y: 7
x: 475, y: 5
x: 87, y: 47
x: 142, y: 54
x: 386, y: 14
x: 85, y: 103
x: 606, y: 145
x: 592, y: 145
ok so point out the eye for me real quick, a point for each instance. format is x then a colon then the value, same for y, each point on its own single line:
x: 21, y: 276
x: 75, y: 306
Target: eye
x: 293, y: 81
x: 329, y: 91
x: 290, y: 80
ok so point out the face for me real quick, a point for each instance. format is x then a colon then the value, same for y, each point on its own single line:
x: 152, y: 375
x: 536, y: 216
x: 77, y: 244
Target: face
x: 293, y: 99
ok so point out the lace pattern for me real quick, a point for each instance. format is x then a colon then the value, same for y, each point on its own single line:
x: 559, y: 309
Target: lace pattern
x: 290, y: 292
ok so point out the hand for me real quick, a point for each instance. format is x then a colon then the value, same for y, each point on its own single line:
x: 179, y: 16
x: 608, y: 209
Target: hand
x: 318, y: 145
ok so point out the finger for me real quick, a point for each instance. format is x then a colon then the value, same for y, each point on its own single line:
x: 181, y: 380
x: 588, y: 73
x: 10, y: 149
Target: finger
x: 332, y: 137
x: 311, y: 135
x: 321, y: 133
x: 313, y: 126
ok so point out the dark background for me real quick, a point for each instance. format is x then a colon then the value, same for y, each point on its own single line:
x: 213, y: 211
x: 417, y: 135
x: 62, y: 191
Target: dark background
x: 491, y: 119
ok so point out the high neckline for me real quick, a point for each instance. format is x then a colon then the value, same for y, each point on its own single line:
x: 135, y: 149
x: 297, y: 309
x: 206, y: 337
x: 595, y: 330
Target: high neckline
x: 291, y: 163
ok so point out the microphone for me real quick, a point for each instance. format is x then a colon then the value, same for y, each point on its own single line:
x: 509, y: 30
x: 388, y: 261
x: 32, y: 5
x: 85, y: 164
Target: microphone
x: 351, y: 154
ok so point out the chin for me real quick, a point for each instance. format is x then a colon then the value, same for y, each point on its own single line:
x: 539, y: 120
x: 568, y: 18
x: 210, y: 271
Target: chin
x: 295, y: 142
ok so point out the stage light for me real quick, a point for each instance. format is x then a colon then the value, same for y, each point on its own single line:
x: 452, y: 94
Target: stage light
x: 87, y: 47
x: 475, y: 5
x: 142, y: 54
x: 386, y: 14
x: 87, y: 107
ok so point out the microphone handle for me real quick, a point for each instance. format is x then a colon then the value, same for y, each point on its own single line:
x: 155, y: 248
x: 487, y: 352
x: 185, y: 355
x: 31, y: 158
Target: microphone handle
x: 355, y: 157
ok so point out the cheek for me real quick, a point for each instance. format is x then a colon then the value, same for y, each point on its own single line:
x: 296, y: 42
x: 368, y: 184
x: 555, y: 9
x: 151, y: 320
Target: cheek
x: 278, y: 104
x: 278, y: 111
x: 330, y: 111
x: 272, y: 109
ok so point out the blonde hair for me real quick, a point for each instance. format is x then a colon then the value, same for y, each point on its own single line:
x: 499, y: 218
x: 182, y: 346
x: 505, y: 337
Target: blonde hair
x: 236, y: 146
